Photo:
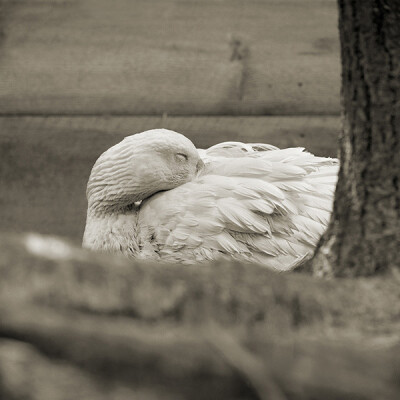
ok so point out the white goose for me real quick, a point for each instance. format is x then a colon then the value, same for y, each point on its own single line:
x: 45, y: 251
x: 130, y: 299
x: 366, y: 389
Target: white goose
x: 155, y: 196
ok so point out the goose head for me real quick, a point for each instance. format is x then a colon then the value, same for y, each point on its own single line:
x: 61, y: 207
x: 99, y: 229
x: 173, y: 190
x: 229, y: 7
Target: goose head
x: 139, y: 166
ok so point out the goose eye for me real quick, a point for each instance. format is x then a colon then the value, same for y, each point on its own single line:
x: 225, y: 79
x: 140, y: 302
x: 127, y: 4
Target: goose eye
x: 182, y: 156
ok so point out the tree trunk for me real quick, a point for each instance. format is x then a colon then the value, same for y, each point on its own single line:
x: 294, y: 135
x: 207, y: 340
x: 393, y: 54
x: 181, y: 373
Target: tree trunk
x: 364, y: 234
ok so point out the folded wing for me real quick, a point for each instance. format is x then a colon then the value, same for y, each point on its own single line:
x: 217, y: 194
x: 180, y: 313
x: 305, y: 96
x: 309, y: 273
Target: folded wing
x: 252, y: 202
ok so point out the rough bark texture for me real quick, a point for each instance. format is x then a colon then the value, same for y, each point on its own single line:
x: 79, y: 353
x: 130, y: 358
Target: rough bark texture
x: 364, y: 235
x: 79, y: 325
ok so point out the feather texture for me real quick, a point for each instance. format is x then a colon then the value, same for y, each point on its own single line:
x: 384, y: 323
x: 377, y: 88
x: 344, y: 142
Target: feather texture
x: 251, y: 202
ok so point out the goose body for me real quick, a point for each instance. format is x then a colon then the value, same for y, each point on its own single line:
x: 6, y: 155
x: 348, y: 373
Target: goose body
x: 155, y: 196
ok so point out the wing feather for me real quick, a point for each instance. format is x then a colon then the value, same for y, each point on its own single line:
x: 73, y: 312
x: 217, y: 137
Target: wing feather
x: 240, y: 218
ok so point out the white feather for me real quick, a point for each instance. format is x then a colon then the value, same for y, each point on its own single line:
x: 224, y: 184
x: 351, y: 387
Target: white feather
x: 252, y: 202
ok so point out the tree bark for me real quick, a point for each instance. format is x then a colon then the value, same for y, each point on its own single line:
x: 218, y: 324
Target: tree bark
x: 364, y: 234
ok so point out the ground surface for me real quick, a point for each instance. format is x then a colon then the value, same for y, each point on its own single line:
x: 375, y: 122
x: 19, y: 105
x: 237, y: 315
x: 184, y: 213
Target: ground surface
x: 80, y: 325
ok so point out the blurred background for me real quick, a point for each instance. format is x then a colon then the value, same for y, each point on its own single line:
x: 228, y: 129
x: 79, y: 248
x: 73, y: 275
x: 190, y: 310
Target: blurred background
x: 77, y: 76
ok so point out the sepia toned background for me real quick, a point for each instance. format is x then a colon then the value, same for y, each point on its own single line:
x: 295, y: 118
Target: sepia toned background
x: 78, y: 76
